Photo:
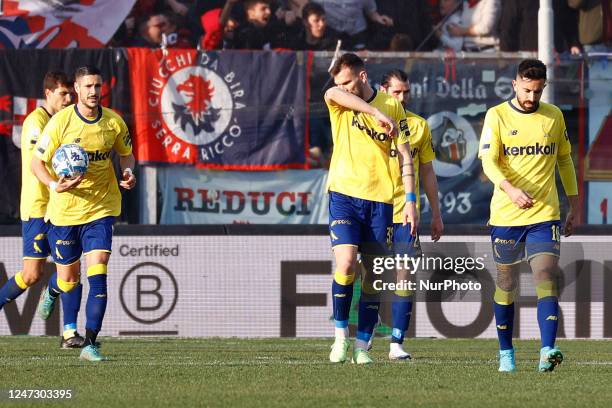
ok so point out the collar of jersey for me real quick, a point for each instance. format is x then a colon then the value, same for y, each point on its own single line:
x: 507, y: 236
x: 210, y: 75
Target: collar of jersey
x: 84, y: 119
x: 46, y: 111
x: 372, y: 97
x: 520, y: 111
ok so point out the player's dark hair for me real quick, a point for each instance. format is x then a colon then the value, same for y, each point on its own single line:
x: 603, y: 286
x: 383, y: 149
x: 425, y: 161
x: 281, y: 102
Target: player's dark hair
x: 86, y: 70
x: 349, y: 60
x: 531, y: 69
x: 394, y: 73
x: 312, y: 8
x: 54, y: 79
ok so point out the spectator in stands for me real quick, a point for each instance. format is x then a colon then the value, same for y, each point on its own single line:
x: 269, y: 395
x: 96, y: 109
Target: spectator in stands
x: 450, y: 12
x: 411, y: 18
x: 199, y: 8
x: 213, y: 30
x: 151, y: 30
x: 348, y: 17
x: 315, y: 34
x: 518, y: 26
x: 478, y: 27
x: 594, y: 24
x: 261, y: 30
x: 290, y: 11
x: 175, y: 36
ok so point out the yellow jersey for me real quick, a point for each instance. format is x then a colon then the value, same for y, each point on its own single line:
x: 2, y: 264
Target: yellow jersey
x: 421, y: 150
x: 525, y: 146
x: 97, y: 195
x: 360, y: 165
x: 34, y: 194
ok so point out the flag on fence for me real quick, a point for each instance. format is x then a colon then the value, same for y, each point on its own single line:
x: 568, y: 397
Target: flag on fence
x: 61, y: 23
x: 241, y: 110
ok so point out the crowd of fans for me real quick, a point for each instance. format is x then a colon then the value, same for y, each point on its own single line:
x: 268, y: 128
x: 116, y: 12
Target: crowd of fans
x: 382, y: 25
x: 378, y: 25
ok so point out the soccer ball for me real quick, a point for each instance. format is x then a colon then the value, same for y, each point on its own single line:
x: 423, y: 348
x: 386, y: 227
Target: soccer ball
x: 70, y: 161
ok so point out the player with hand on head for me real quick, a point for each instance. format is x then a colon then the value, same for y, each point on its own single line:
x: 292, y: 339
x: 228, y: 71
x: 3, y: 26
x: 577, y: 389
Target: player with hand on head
x: 33, y: 205
x: 361, y: 188
x: 522, y: 141
x: 396, y: 84
x: 82, y: 211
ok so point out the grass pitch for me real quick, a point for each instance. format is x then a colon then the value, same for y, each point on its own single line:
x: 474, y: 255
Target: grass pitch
x: 170, y: 372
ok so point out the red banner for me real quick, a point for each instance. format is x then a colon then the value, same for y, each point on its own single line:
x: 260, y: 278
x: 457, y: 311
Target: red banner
x: 60, y: 24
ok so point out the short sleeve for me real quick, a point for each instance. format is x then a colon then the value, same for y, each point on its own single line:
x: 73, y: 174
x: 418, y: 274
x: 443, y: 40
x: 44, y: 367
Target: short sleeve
x: 49, y: 140
x: 403, y: 128
x: 426, y: 153
x: 123, y: 142
x: 490, y: 137
x: 565, y: 147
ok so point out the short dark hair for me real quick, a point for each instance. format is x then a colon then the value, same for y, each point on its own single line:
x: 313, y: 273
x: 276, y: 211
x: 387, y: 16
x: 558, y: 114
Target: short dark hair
x: 251, y: 3
x: 348, y: 60
x: 531, y: 69
x: 312, y: 8
x: 86, y: 70
x: 394, y: 73
x: 54, y: 79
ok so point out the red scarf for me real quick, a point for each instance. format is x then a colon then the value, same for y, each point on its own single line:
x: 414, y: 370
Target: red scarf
x: 472, y: 3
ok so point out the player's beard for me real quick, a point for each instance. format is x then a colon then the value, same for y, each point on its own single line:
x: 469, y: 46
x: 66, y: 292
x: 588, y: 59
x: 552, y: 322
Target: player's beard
x: 528, y: 108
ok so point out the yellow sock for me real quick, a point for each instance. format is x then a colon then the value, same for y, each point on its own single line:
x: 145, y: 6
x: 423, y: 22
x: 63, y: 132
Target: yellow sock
x: 19, y: 280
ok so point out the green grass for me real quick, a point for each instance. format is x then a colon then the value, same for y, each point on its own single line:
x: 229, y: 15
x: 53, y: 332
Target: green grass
x: 169, y: 372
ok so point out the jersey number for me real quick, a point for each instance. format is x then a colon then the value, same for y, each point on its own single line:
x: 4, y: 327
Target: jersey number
x: 556, y: 233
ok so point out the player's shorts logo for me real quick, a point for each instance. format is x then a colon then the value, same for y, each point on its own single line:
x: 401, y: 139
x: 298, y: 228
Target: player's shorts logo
x: 455, y: 143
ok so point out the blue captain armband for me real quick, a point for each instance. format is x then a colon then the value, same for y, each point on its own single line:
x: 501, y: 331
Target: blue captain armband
x: 410, y: 197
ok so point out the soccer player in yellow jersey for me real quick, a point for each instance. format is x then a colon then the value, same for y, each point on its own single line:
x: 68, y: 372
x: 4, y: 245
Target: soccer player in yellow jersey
x: 82, y: 210
x: 396, y: 84
x: 34, y: 198
x: 522, y: 141
x: 361, y: 189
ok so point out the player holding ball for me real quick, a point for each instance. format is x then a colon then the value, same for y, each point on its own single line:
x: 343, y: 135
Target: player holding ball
x: 82, y: 210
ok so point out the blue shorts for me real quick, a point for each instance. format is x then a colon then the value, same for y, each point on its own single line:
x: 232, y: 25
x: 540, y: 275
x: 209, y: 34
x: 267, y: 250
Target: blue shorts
x: 512, y: 244
x: 362, y: 223
x: 404, y: 243
x: 68, y: 243
x: 35, y: 242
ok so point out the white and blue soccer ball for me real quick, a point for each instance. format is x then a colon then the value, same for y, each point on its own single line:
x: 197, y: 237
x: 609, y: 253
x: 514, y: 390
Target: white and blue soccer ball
x: 70, y: 161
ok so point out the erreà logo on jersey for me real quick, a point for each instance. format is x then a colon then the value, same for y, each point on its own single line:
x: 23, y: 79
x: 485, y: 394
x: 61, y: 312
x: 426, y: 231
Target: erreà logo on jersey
x: 196, y: 98
x: 532, y: 150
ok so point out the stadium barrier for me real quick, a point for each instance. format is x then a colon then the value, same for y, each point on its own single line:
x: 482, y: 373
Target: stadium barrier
x: 271, y: 281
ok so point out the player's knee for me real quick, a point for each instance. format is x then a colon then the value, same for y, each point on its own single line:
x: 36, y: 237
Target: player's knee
x: 344, y: 266
x: 32, y: 272
x: 28, y: 277
x: 544, y: 268
x: 506, y: 278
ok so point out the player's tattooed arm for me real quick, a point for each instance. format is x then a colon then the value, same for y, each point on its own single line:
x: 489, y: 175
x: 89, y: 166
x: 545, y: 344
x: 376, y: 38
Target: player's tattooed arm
x: 407, y: 171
